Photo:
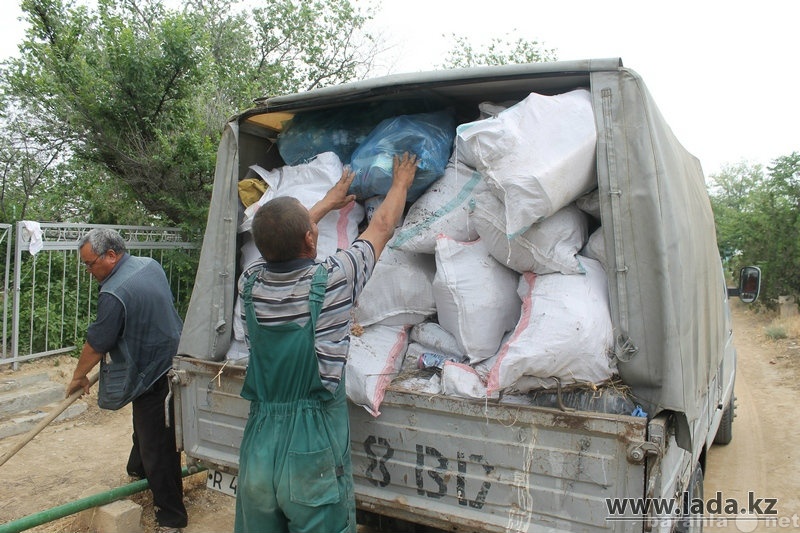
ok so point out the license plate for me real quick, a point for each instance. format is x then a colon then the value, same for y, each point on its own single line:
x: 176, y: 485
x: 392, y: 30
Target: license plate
x: 222, y: 482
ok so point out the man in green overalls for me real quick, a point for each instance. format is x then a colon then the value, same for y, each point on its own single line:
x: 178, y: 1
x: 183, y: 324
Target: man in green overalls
x: 295, y: 473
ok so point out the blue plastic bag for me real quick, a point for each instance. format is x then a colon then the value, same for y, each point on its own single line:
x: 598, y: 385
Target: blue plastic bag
x: 338, y: 130
x: 428, y: 135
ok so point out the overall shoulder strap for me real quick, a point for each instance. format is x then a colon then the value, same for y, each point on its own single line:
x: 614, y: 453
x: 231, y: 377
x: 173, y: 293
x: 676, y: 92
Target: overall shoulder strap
x: 247, y: 293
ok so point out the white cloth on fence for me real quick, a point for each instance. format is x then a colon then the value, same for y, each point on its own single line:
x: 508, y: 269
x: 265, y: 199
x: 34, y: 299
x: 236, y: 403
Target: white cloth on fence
x: 33, y: 231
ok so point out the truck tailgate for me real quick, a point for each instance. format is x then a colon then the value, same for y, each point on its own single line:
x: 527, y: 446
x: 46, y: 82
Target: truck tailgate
x: 210, y: 415
x: 449, y: 463
x: 490, y: 467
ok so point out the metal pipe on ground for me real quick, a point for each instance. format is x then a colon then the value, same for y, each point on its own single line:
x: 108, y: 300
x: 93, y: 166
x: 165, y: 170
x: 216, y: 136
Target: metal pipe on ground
x: 95, y: 500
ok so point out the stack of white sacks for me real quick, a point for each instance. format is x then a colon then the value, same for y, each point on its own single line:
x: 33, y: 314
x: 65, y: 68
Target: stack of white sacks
x: 485, y: 267
x: 308, y: 183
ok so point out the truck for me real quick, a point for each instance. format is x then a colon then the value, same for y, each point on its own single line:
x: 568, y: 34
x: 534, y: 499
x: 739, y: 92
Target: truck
x: 492, y: 465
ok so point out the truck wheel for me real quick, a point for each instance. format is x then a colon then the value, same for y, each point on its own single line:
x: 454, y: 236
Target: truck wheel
x: 692, y: 523
x: 725, y: 431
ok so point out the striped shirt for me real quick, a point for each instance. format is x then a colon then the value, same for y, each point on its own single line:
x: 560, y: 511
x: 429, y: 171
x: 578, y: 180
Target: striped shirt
x: 280, y: 295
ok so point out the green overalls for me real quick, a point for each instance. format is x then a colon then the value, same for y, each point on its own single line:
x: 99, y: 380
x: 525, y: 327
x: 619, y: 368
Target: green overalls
x: 295, y: 473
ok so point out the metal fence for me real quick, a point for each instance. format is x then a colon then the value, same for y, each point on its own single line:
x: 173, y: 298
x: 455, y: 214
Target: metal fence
x: 54, y: 296
x: 5, y: 263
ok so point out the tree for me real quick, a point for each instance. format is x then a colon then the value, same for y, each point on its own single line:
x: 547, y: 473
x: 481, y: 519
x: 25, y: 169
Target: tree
x: 758, y: 221
x: 499, y: 51
x: 732, y: 194
x: 141, y: 92
x: 779, y: 242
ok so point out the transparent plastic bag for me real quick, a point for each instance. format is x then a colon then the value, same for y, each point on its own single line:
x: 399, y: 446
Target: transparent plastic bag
x: 428, y: 135
x: 338, y: 130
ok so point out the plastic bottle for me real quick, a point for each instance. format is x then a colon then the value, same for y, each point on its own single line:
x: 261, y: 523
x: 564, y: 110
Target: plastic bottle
x: 436, y: 360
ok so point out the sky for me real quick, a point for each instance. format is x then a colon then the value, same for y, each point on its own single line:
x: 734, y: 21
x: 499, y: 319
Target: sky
x: 725, y: 74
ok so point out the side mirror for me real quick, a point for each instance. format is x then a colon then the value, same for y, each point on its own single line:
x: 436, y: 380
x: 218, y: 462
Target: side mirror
x: 749, y: 284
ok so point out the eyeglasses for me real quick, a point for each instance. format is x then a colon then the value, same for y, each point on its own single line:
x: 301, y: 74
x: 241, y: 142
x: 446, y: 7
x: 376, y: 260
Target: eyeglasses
x: 90, y: 264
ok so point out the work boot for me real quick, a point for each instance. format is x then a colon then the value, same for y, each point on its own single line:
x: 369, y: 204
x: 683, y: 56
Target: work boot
x: 135, y: 476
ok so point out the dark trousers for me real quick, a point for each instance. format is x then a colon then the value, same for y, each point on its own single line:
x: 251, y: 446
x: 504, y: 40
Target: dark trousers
x: 154, y: 454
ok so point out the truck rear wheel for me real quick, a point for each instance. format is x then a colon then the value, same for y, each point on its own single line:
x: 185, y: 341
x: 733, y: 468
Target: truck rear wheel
x: 692, y: 522
x: 725, y: 431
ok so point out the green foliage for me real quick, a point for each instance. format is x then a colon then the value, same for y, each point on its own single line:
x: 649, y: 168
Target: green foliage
x: 55, y: 302
x: 137, y: 93
x: 58, y: 297
x: 498, y: 51
x: 758, y: 222
x: 30, y: 154
x: 307, y: 44
x: 113, y: 111
x: 732, y: 192
x: 123, y: 80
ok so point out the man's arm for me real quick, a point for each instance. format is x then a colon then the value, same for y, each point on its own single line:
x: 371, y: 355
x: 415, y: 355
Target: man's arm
x: 384, y: 220
x: 88, y: 360
x: 334, y: 199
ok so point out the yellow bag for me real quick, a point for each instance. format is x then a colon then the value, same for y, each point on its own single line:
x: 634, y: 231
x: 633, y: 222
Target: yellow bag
x: 251, y: 190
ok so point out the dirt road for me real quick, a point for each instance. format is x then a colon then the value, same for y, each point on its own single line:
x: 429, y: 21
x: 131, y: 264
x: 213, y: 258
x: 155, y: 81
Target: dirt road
x: 763, y: 458
x: 78, y: 457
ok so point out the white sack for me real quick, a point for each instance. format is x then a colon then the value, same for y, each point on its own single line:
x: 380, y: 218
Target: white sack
x: 238, y: 321
x: 590, y: 203
x: 564, y: 330
x: 420, y: 384
x: 475, y: 296
x: 249, y: 254
x: 596, y: 247
x: 238, y: 351
x: 400, y: 290
x: 548, y: 246
x: 435, y: 339
x: 372, y: 204
x: 463, y: 381
x: 442, y: 209
x: 491, y: 109
x: 309, y: 182
x: 374, y: 361
x: 537, y: 156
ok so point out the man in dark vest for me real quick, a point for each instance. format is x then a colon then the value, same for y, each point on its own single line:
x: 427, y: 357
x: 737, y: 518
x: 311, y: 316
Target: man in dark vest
x: 134, y: 338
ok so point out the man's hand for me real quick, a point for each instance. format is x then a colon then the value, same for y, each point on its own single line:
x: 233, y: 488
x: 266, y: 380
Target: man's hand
x: 335, y: 198
x: 386, y: 216
x: 77, y: 384
x: 87, y: 361
x: 404, y: 169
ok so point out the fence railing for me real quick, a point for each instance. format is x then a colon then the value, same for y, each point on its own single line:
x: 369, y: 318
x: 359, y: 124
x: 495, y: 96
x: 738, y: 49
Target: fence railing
x: 5, y: 264
x: 54, y: 296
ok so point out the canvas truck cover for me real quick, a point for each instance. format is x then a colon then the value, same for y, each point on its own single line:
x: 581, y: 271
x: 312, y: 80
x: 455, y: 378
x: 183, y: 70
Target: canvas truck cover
x: 665, y: 278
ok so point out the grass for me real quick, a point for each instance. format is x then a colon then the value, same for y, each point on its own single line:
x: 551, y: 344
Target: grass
x: 775, y: 332
x: 783, y: 328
